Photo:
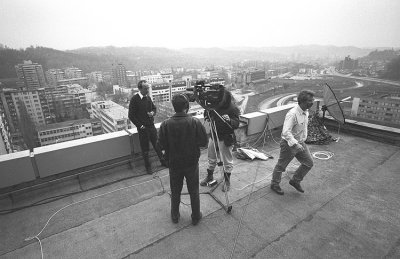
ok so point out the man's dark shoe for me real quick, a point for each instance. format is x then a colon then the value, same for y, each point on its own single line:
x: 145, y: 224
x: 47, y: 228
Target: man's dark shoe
x: 175, y: 220
x: 196, y: 221
x: 296, y: 185
x: 276, y: 188
x: 208, y: 178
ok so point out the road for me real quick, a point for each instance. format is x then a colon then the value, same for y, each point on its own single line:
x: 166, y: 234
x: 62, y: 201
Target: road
x: 333, y: 73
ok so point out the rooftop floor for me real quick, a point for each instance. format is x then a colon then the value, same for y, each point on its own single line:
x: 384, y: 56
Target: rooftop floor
x: 350, y: 209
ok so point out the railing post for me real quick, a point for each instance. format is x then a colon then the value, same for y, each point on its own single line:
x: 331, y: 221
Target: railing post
x: 34, y: 165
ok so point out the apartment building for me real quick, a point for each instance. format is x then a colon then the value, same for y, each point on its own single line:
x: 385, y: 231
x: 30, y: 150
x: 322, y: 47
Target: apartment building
x: 113, y: 117
x: 34, y: 100
x: 53, y: 76
x: 5, y: 136
x: 152, y: 79
x: 96, y: 76
x: 84, y: 81
x: 68, y: 130
x: 384, y: 108
x: 119, y: 75
x: 73, y: 72
x: 30, y: 75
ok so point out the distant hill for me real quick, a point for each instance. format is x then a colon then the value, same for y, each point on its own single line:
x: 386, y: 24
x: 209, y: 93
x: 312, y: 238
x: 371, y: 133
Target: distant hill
x: 383, y: 55
x: 321, y: 51
x: 142, y: 58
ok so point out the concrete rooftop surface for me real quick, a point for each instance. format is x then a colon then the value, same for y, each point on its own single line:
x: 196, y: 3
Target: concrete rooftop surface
x: 350, y: 209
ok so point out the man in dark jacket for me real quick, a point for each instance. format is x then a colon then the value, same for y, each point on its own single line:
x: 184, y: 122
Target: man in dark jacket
x: 181, y: 136
x: 141, y: 112
x: 226, y: 118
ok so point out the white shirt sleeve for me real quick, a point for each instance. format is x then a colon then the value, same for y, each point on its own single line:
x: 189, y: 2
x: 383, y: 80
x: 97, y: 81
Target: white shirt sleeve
x: 290, y: 121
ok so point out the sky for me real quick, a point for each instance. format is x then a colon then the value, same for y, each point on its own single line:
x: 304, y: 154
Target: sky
x: 204, y: 23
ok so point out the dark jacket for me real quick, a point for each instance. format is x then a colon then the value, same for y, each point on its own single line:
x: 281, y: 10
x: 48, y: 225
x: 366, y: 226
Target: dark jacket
x: 226, y: 107
x: 181, y: 136
x: 138, y: 109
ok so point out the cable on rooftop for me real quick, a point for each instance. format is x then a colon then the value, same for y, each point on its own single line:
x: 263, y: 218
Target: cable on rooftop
x: 81, y: 201
x: 322, y: 155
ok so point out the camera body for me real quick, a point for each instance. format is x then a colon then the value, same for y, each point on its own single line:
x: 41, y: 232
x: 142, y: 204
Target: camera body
x: 209, y: 96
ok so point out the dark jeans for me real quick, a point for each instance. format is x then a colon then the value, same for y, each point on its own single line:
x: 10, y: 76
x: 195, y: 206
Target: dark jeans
x: 146, y: 135
x: 176, y: 182
x: 286, y: 155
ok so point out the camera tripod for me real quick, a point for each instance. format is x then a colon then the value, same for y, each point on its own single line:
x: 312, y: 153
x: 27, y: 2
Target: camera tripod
x: 218, y: 153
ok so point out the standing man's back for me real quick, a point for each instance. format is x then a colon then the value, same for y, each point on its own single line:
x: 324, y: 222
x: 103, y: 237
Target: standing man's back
x: 181, y: 137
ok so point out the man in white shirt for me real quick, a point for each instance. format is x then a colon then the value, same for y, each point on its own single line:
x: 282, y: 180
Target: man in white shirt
x: 294, y: 133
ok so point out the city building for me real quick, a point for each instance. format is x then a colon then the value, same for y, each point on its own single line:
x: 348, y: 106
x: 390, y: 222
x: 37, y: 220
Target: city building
x: 84, y: 95
x: 53, y: 76
x: 119, y: 89
x: 96, y: 76
x: 30, y: 75
x: 250, y: 77
x: 68, y: 130
x: 382, y: 108
x: 133, y: 78
x: 167, y: 77
x: 348, y: 64
x: 163, y: 92
x: 179, y: 86
x: 73, y: 72
x: 160, y: 92
x: 153, y: 78
x: 166, y: 110
x: 5, y: 136
x: 119, y: 75
x: 35, y: 102
x: 113, y: 117
x: 84, y: 81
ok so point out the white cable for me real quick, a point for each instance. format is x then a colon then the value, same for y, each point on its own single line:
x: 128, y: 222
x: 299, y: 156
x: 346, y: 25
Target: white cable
x: 74, y: 203
x: 244, y: 212
x: 244, y: 187
x: 322, y: 155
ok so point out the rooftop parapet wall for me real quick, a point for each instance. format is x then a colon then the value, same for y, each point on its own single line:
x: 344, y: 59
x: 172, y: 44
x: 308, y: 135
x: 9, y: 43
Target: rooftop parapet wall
x: 78, y: 155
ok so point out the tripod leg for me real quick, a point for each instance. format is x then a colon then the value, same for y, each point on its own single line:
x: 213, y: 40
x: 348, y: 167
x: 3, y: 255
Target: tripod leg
x: 228, y: 207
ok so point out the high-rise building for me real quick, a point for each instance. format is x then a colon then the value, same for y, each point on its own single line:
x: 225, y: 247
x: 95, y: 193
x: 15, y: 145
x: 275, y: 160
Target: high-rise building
x: 53, y: 76
x: 119, y: 75
x: 35, y: 101
x: 30, y: 75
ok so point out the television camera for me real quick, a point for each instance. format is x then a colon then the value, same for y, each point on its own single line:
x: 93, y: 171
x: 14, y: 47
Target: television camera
x: 209, y: 96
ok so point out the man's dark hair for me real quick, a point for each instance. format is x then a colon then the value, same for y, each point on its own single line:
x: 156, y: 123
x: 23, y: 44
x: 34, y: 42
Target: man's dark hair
x: 304, y: 95
x: 140, y: 84
x: 180, y: 102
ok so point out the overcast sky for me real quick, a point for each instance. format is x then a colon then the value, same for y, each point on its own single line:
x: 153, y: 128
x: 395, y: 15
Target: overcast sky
x: 204, y: 23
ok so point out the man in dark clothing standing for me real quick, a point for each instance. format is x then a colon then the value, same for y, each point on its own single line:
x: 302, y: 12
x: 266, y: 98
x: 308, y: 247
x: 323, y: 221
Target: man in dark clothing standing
x: 141, y: 112
x: 226, y: 118
x: 181, y: 136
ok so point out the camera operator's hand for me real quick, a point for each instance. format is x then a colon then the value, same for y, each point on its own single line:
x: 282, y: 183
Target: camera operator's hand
x: 226, y: 117
x: 150, y: 114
